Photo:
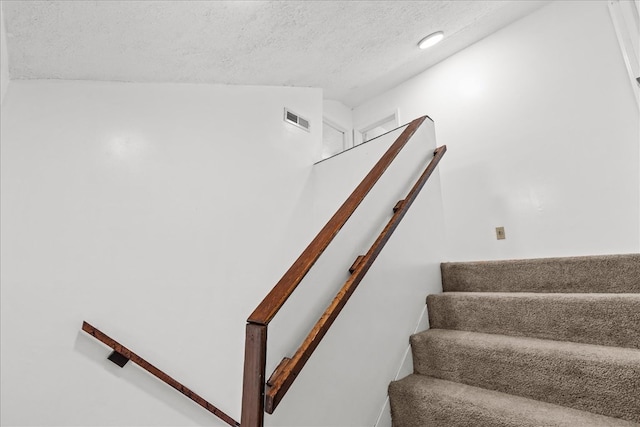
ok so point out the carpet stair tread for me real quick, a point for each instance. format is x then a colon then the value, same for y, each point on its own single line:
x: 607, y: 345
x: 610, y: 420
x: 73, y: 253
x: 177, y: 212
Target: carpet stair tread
x: 599, y: 379
x: 551, y: 342
x: 611, y: 319
x: 431, y: 402
x: 605, y: 273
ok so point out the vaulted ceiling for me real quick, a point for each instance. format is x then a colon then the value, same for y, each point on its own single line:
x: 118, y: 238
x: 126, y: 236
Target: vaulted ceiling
x: 353, y: 50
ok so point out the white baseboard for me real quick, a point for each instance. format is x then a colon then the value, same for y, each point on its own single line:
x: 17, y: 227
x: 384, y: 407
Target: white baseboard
x: 405, y: 368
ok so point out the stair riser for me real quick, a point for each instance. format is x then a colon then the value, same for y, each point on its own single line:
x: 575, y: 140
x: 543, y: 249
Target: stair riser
x: 606, y: 274
x: 612, y: 320
x: 589, y: 378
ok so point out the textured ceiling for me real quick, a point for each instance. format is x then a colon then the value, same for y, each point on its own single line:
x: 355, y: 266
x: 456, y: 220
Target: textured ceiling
x: 353, y: 50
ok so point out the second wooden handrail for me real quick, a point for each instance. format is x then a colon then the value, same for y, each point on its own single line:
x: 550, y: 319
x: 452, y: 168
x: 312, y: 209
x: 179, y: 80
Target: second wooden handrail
x: 125, y: 355
x: 288, y: 370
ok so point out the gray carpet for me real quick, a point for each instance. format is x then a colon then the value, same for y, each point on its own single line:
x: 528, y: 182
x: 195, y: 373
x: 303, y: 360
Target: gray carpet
x: 604, y: 319
x: 420, y: 401
x: 513, y: 350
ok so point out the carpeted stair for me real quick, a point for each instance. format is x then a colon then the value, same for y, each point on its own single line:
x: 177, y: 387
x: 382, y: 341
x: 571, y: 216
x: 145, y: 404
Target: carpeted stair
x: 543, y: 342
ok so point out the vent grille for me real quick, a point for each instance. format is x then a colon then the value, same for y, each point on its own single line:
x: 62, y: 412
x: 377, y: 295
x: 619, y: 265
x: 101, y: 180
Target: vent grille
x: 296, y: 120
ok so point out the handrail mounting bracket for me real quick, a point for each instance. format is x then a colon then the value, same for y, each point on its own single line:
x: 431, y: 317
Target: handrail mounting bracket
x: 118, y: 358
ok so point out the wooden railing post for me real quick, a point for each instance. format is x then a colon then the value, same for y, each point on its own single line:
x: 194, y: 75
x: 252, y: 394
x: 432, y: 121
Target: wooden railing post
x: 253, y: 384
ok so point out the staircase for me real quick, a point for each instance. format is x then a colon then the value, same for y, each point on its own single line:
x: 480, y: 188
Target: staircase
x: 542, y: 342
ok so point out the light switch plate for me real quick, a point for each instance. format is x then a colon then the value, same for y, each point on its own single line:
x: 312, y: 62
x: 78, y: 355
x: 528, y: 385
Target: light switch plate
x: 500, y: 233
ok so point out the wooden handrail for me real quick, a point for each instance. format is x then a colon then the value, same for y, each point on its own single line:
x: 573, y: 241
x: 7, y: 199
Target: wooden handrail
x: 127, y: 354
x: 255, y: 359
x: 289, y: 368
x: 254, y: 397
x: 275, y: 299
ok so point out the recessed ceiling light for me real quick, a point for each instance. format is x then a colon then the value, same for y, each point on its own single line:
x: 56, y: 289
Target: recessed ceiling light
x: 430, y: 40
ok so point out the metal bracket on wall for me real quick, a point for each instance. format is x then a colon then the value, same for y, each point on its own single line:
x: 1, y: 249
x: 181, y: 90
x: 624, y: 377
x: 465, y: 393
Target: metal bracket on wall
x: 118, y: 358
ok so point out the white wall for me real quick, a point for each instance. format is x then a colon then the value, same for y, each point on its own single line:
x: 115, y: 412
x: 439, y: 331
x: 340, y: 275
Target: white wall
x: 542, y: 131
x: 339, y: 116
x: 338, y: 113
x: 162, y: 214
x: 4, y: 58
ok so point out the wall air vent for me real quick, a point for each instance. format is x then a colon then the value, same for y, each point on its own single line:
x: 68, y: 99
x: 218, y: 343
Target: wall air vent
x: 296, y: 120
